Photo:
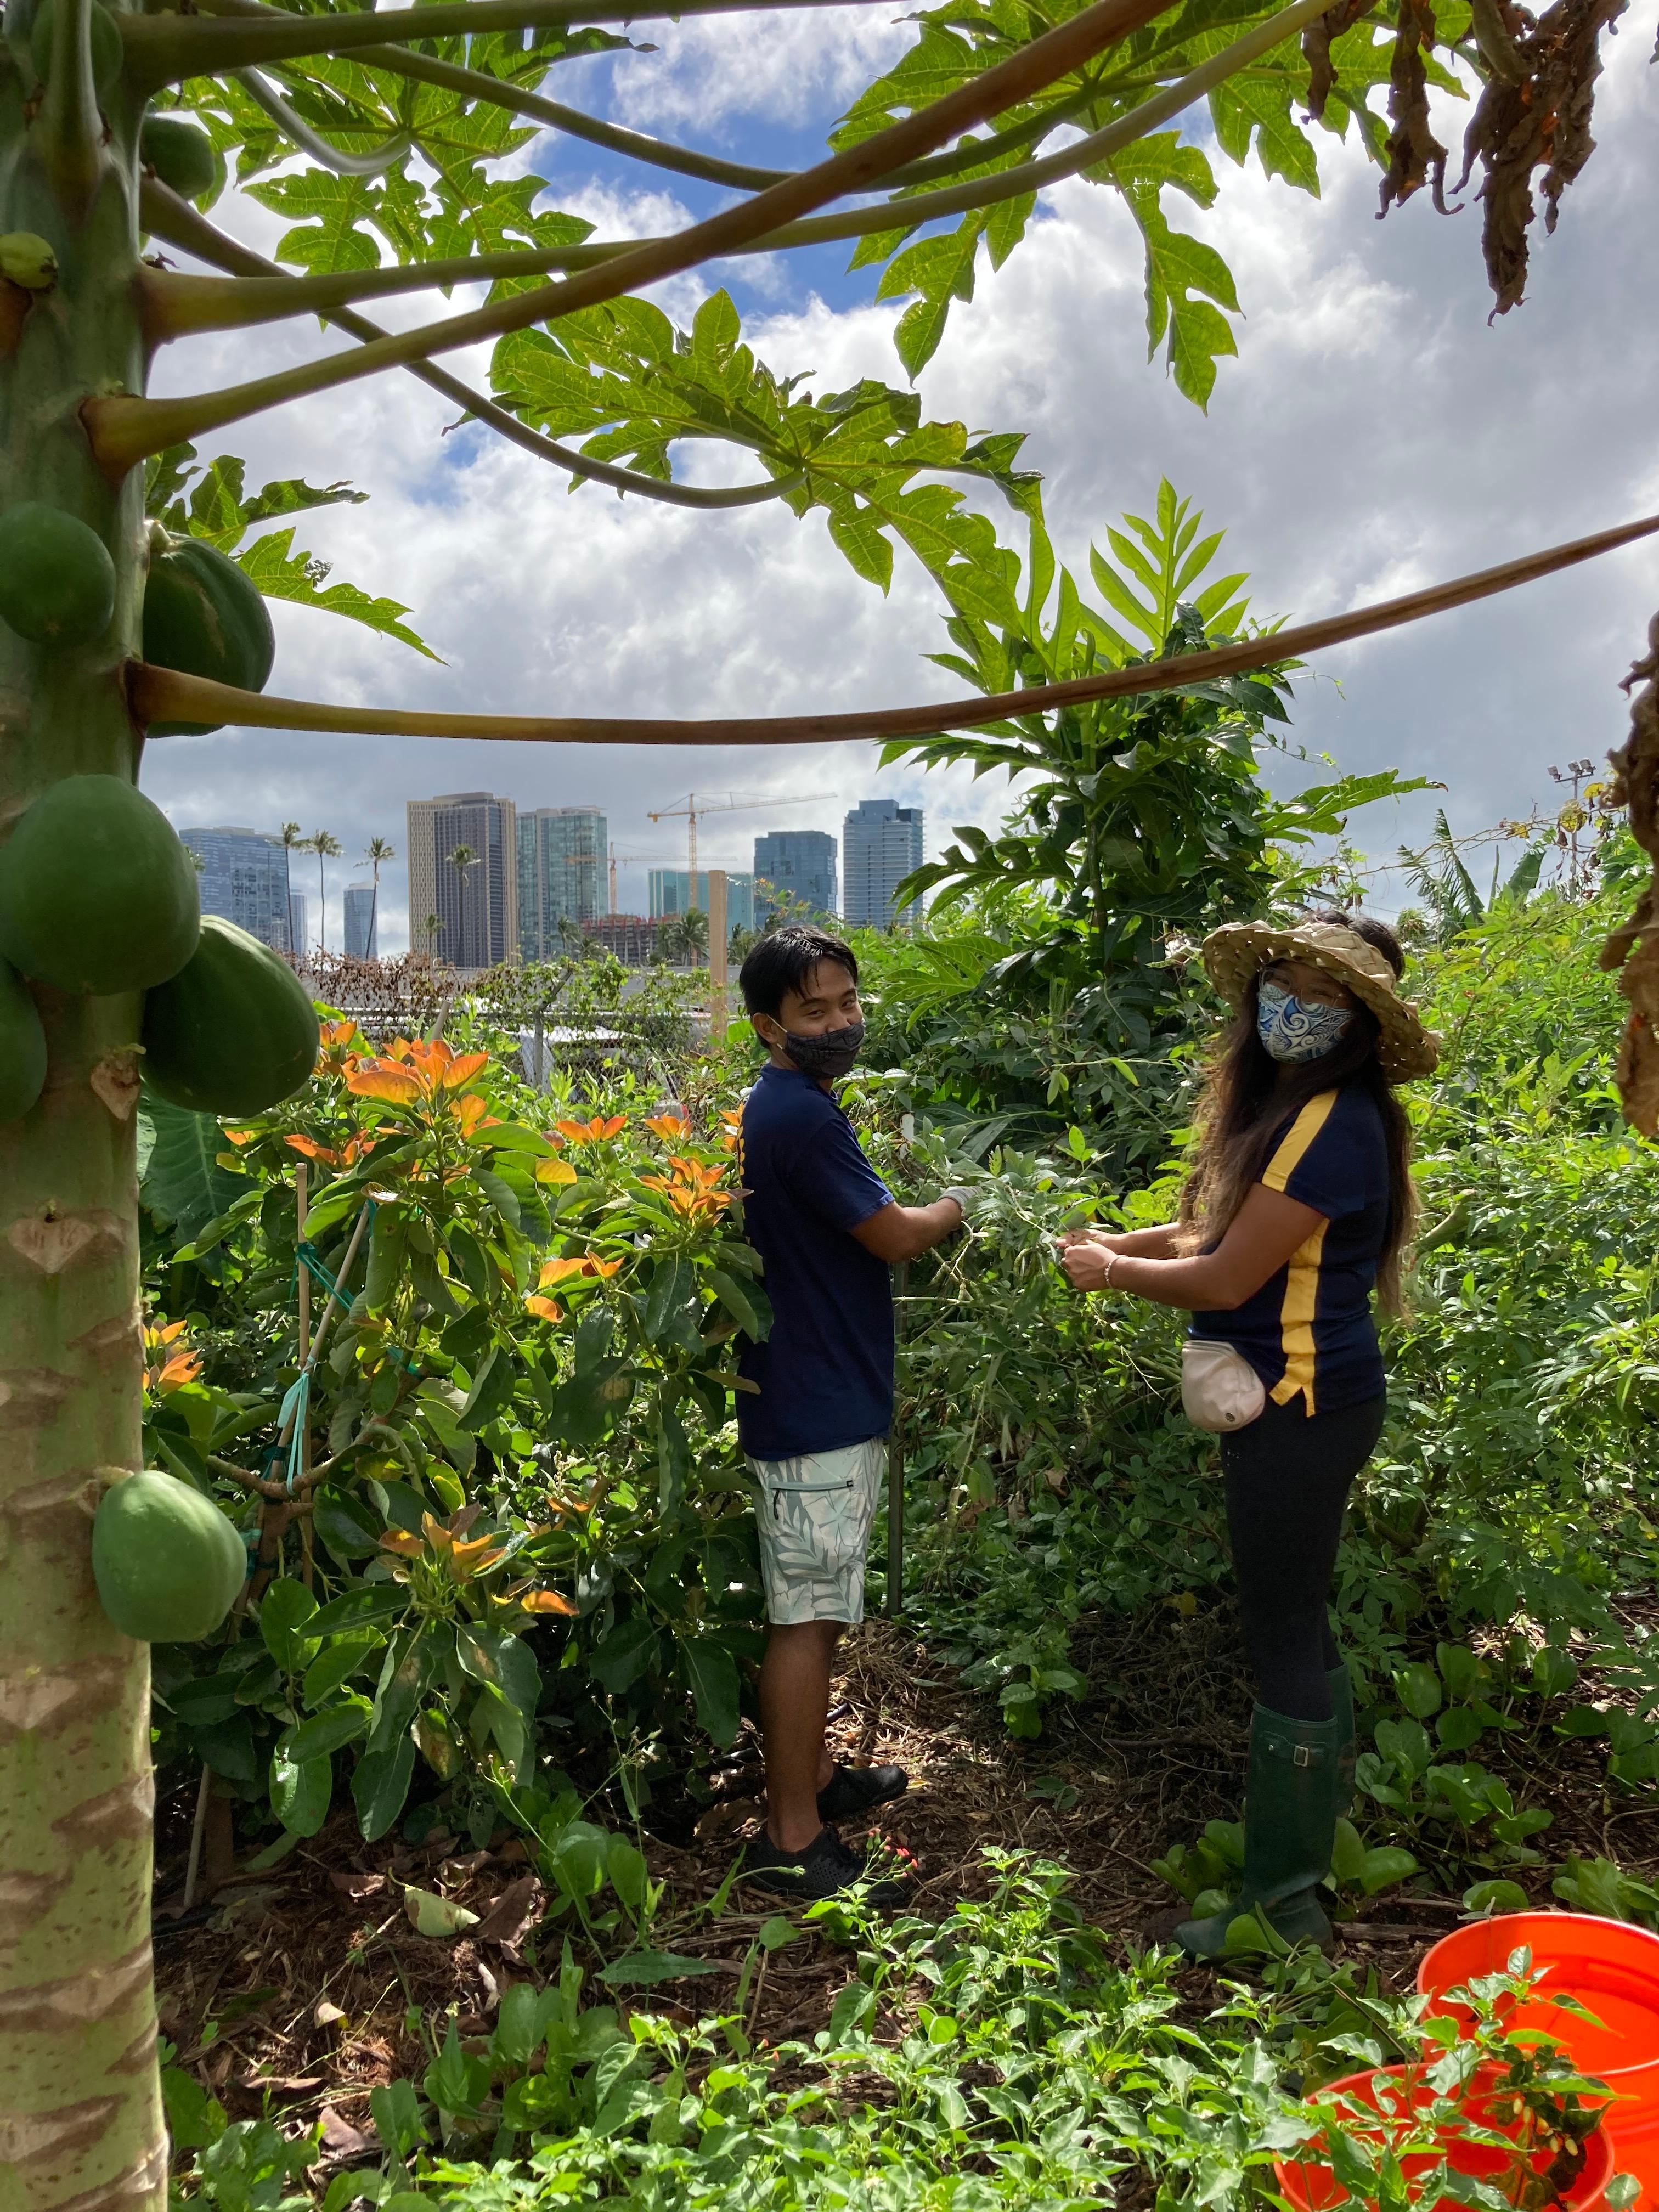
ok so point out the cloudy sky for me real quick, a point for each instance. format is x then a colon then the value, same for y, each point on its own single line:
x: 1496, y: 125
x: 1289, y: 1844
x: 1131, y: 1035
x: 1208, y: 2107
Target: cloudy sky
x: 1376, y: 433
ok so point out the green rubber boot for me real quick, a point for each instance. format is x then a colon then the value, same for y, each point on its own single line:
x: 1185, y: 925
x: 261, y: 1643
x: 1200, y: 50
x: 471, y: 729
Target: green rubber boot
x: 1290, y: 1824
x: 1347, y: 1743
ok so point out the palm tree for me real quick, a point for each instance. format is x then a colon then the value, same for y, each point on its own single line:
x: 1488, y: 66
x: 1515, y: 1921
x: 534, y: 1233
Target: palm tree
x: 327, y: 846
x: 694, y: 934
x: 463, y: 860
x: 430, y: 927
x: 292, y: 842
x: 376, y: 850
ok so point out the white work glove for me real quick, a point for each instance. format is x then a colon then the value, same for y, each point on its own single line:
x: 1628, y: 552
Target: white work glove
x: 969, y: 1196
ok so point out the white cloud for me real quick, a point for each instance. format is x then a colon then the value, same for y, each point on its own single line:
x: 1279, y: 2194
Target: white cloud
x: 1376, y: 433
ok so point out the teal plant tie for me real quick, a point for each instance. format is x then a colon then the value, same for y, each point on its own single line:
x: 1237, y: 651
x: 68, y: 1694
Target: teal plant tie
x: 297, y: 1401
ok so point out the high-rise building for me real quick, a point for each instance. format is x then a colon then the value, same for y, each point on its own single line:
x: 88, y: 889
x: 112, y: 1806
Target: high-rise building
x: 243, y: 875
x: 299, y: 924
x: 629, y: 937
x: 800, y: 866
x: 881, y: 843
x: 560, y: 867
x: 362, y: 924
x: 468, y: 915
x: 670, y: 893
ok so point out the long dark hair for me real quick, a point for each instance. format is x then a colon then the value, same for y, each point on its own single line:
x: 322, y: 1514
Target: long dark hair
x: 1246, y: 1106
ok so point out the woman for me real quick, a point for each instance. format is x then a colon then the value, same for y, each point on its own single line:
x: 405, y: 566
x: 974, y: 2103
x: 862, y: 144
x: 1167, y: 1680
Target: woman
x: 1298, y: 1205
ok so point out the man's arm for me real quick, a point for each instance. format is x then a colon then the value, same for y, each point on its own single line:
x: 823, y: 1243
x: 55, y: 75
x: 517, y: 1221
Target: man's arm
x: 905, y: 1232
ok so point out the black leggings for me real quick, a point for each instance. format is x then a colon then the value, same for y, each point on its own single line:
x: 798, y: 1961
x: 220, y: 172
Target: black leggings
x: 1288, y: 1477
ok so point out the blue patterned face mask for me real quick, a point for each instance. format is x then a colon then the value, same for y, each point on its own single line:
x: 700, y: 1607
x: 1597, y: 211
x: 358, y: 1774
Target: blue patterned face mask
x: 1294, y: 1029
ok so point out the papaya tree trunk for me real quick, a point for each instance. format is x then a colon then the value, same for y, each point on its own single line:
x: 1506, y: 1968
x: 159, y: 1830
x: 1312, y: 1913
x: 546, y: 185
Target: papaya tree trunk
x: 80, y: 2110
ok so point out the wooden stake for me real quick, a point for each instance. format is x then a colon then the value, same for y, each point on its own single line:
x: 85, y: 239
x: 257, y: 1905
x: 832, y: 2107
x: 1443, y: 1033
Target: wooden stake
x: 302, y: 1208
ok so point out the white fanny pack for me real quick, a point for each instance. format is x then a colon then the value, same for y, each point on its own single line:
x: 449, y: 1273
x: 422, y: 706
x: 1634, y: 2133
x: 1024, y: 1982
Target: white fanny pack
x: 1219, y: 1388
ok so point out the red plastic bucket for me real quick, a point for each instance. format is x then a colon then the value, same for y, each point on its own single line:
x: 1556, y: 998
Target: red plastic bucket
x: 1613, y: 1970
x: 1309, y: 2185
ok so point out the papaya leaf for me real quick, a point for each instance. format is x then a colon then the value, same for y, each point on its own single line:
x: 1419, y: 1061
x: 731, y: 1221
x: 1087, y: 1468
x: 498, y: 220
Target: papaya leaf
x: 282, y: 574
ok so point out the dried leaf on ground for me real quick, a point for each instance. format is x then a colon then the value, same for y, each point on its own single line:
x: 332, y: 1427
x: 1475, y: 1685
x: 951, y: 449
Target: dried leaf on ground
x: 514, y: 1914
x: 1537, y: 118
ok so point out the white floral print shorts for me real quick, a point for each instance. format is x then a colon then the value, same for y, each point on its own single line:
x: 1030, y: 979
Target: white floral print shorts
x: 814, y: 1514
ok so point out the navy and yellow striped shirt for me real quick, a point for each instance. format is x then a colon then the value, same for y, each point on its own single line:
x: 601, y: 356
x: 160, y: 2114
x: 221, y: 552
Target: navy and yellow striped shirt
x: 1308, y: 1331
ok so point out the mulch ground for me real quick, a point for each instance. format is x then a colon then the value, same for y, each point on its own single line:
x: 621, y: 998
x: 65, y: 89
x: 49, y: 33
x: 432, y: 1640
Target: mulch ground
x: 295, y: 1992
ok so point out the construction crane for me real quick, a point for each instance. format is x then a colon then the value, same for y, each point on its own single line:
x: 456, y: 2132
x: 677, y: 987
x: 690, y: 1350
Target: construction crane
x: 695, y: 808
x: 617, y: 858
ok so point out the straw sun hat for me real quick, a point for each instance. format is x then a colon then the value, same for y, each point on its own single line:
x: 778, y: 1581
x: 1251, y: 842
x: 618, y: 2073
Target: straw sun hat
x: 1240, y: 950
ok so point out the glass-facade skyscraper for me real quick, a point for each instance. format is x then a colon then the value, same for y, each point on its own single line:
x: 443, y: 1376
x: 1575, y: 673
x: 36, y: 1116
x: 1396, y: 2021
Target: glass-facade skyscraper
x: 800, y: 866
x: 670, y: 893
x: 243, y: 876
x: 362, y: 924
x: 560, y: 867
x: 881, y: 843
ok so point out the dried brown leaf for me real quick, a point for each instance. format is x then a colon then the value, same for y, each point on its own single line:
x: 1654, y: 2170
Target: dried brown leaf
x: 1416, y: 156
x: 1317, y: 51
x: 1535, y: 113
x: 513, y: 1915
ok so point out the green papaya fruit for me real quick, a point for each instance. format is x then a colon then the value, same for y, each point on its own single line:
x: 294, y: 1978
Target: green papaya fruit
x: 56, y: 579
x: 27, y: 260
x: 179, y: 153
x: 166, y: 1561
x: 22, y: 1047
x: 234, y: 1032
x: 108, y: 52
x: 203, y: 616
x: 96, y: 892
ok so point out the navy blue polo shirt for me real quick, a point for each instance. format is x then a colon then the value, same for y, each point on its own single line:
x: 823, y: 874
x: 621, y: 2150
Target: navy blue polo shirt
x: 825, y: 1374
x: 1308, y: 1332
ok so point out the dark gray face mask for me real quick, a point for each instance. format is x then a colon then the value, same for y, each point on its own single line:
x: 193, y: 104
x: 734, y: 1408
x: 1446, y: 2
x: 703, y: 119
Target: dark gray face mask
x: 829, y: 1054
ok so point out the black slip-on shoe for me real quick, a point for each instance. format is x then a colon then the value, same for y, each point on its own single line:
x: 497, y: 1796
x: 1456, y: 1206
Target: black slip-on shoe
x: 825, y: 1867
x: 853, y: 1791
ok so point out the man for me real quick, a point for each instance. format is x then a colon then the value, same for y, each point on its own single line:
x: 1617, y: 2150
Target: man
x: 814, y: 1429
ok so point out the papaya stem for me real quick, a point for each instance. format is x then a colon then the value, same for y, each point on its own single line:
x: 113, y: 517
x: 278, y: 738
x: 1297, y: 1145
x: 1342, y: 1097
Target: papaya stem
x: 126, y: 429
x: 167, y: 217
x: 178, y: 306
x: 164, y: 694
x: 70, y: 127
x: 164, y: 48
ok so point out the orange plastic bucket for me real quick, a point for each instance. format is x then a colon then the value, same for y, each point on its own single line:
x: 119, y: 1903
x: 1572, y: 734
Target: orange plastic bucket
x: 1309, y: 2185
x: 1613, y: 1970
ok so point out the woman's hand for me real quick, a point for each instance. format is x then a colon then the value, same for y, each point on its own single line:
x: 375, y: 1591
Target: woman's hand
x: 1084, y: 1260
x: 1088, y: 1233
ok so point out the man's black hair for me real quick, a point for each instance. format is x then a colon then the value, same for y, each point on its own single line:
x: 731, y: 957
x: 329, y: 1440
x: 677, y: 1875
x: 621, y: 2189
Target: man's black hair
x: 782, y: 962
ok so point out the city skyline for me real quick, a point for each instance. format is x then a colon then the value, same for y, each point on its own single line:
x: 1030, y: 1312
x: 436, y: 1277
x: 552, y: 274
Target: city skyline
x: 534, y: 876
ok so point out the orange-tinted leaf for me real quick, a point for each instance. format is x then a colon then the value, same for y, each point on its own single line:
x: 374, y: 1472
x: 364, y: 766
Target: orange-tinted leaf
x: 379, y: 1078
x: 473, y: 1114
x: 555, y: 1171
x: 460, y: 1071
x: 400, y: 1541
x: 242, y: 1136
x: 548, y: 1308
x: 313, y: 1151
x: 674, y: 1127
x: 476, y: 1558
x: 436, y: 1534
x: 547, y: 1601
x: 594, y: 1132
